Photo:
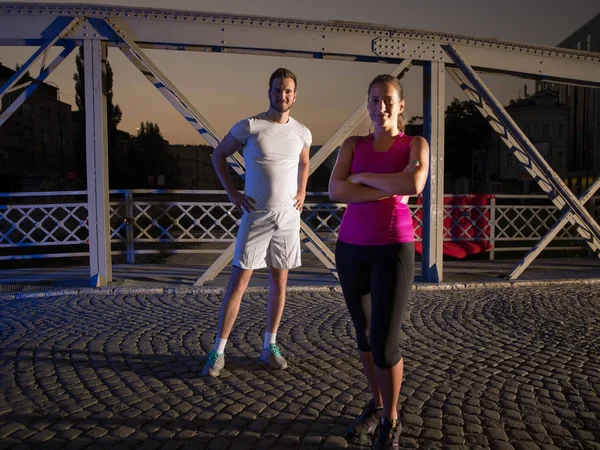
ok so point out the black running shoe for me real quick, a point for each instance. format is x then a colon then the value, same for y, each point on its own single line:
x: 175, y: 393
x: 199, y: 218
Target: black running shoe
x: 366, y: 424
x: 389, y: 435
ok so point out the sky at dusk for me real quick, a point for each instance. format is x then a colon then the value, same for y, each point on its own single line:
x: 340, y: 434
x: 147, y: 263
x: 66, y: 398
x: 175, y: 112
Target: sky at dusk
x: 226, y: 88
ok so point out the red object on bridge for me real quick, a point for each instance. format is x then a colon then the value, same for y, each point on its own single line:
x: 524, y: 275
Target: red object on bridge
x: 465, y: 217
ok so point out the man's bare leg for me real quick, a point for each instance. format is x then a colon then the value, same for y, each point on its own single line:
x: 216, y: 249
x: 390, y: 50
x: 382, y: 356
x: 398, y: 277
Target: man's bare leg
x: 275, y: 304
x: 230, y: 307
x: 276, y: 299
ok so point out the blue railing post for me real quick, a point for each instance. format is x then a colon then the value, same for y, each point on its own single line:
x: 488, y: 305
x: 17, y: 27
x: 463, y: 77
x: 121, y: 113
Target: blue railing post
x: 129, y: 227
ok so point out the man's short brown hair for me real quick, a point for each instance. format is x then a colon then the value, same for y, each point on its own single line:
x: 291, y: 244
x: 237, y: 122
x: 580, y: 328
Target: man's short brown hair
x: 283, y: 73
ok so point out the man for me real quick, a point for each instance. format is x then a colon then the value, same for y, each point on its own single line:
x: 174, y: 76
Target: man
x: 276, y: 154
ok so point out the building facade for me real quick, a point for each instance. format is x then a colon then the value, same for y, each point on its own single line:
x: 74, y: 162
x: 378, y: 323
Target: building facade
x: 36, y: 146
x: 583, y: 155
x: 545, y: 121
x: 195, y: 167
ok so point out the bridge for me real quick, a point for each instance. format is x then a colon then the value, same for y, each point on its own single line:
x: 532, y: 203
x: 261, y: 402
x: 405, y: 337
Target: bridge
x: 102, y: 365
x: 134, y: 30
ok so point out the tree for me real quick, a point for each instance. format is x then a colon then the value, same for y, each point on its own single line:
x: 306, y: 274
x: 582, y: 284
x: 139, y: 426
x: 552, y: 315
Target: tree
x: 113, y: 115
x: 466, y: 131
x: 148, y: 158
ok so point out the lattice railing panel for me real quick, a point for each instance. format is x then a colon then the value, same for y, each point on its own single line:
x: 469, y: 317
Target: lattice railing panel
x: 529, y: 222
x: 466, y: 222
x: 33, y: 225
x: 185, y: 222
x: 324, y: 219
x: 149, y: 221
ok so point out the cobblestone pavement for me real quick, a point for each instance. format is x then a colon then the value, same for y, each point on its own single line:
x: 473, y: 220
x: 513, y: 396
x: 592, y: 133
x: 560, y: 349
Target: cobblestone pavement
x: 497, y: 368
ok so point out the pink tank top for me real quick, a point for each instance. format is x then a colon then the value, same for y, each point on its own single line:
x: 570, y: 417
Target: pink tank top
x: 381, y: 222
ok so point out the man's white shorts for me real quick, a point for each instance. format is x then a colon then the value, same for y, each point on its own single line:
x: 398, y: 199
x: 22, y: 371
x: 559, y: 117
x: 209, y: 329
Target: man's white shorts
x: 268, y: 239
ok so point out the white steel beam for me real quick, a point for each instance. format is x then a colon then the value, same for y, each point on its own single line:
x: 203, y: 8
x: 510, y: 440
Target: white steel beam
x: 22, y: 24
x: 524, y: 150
x: 217, y: 266
x: 30, y: 89
x: 551, y: 234
x: 201, y: 124
x: 171, y: 93
x: 94, y: 52
x: 434, y: 100
x: 58, y: 29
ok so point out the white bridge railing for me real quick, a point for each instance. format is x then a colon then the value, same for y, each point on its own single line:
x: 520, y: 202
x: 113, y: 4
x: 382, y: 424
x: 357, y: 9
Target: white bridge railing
x: 54, y: 224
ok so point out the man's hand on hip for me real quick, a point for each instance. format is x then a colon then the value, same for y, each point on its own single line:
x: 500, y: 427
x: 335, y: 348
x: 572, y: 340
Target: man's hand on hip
x: 242, y: 201
x: 299, y: 200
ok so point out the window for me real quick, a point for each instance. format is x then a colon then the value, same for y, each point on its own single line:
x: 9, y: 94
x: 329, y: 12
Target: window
x: 28, y: 133
x: 561, y: 130
x: 527, y: 129
x: 12, y: 127
x: 9, y: 98
x: 588, y: 45
x: 45, y: 113
x: 27, y: 109
x: 545, y: 130
x: 509, y: 160
x: 14, y: 155
x: 578, y: 45
x: 46, y: 139
x: 560, y: 159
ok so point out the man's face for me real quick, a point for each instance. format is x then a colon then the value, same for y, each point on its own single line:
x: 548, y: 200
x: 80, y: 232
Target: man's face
x: 282, y: 94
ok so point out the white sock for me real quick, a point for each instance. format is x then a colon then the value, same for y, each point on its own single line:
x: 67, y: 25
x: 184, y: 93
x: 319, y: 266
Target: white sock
x: 269, y: 339
x: 220, y: 345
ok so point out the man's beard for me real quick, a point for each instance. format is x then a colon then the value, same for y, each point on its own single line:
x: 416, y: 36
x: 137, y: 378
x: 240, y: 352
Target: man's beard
x: 281, y: 108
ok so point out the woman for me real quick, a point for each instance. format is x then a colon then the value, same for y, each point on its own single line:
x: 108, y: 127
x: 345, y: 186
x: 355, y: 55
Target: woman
x: 374, y: 254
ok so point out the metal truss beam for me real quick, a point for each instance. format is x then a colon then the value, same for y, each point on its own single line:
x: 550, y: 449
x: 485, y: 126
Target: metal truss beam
x: 523, y: 149
x: 22, y: 24
x: 551, y: 234
x: 201, y: 124
x: 45, y: 25
x: 57, y: 29
x: 160, y: 81
x: 33, y: 85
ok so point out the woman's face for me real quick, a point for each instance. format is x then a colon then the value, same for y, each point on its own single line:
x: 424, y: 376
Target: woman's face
x: 385, y: 105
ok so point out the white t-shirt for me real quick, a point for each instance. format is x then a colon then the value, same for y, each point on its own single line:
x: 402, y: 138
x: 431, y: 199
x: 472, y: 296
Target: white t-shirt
x: 271, y: 154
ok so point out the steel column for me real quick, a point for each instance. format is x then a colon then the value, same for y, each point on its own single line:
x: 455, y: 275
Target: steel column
x: 94, y: 52
x: 434, y: 98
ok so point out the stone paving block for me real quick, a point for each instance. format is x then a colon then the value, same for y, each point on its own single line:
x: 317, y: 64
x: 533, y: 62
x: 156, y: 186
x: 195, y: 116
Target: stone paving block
x: 541, y: 438
x: 492, y: 386
x: 8, y: 429
x: 501, y: 445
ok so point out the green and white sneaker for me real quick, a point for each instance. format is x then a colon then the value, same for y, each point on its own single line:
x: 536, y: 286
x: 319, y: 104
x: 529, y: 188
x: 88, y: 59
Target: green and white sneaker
x: 216, y: 361
x: 272, y: 356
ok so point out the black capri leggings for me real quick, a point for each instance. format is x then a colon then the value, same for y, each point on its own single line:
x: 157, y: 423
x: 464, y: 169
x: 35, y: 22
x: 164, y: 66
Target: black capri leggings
x: 376, y: 282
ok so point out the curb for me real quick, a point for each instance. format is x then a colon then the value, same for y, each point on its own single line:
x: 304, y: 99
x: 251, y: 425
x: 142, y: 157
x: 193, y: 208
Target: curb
x: 203, y: 290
